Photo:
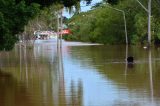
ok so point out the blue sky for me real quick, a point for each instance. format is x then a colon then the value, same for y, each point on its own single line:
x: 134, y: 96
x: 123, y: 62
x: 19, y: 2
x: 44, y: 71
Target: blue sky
x: 83, y: 8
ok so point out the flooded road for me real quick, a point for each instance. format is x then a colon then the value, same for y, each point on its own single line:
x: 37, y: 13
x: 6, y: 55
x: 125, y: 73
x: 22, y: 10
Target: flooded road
x: 79, y: 75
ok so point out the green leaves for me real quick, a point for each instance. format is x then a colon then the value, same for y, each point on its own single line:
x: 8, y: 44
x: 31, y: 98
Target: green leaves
x: 108, y: 24
x: 13, y: 19
x: 103, y: 25
x: 15, y: 14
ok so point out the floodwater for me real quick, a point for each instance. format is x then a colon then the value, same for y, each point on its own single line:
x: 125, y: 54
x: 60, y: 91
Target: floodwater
x: 79, y: 75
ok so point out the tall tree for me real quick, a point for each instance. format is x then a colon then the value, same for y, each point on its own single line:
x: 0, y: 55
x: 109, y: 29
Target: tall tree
x: 15, y: 14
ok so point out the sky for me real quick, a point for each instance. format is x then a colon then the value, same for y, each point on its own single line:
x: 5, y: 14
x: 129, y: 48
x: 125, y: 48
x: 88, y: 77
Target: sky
x: 83, y: 8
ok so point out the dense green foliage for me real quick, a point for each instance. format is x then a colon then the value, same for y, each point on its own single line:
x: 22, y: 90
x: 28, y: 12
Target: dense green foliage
x: 66, y: 3
x: 106, y: 25
x: 102, y: 24
x: 15, y: 14
x: 13, y: 18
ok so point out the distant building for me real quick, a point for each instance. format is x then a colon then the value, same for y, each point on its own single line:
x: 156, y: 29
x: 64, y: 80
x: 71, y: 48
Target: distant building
x: 45, y: 34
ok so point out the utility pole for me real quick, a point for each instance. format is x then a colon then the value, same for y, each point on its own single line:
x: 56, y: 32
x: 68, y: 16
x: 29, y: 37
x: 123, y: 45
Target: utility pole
x: 57, y: 13
x: 125, y: 26
x: 149, y: 19
x: 61, y: 25
x: 149, y: 22
x: 125, y: 23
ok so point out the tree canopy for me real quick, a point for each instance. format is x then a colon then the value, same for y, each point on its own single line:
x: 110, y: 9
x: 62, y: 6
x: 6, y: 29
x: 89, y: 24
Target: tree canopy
x: 15, y: 14
x: 106, y: 25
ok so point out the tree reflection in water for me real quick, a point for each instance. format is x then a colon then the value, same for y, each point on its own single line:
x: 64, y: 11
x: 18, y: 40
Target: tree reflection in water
x: 29, y: 78
x: 75, y: 95
x: 11, y: 93
x: 36, y: 77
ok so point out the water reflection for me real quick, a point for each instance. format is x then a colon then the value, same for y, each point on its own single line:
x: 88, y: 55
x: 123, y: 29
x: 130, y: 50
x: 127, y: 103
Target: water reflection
x: 76, y: 92
x: 74, y: 95
x: 126, y: 67
x: 11, y: 92
x: 79, y: 76
x: 151, y: 75
x: 134, y: 84
x: 62, y: 99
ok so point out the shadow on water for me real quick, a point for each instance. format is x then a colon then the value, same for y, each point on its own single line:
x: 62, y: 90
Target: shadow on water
x: 4, y: 75
x: 11, y: 91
